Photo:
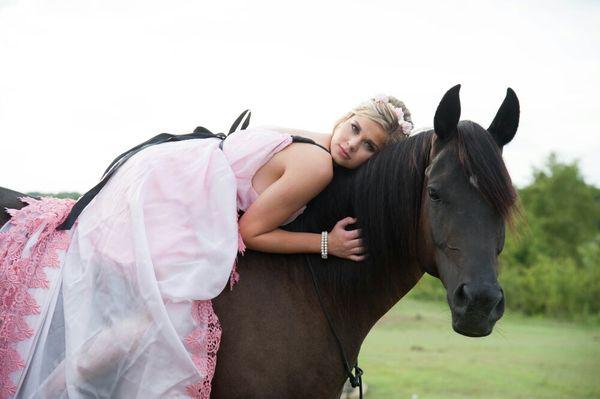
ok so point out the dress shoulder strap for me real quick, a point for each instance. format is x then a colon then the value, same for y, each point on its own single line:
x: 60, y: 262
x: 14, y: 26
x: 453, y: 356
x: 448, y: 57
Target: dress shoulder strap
x: 301, y: 139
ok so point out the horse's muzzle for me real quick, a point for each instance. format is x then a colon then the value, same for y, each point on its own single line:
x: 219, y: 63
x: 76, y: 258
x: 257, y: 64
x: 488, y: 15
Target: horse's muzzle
x: 476, y: 307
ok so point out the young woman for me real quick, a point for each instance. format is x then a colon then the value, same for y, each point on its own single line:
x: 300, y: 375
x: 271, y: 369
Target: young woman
x: 295, y: 175
x: 125, y: 310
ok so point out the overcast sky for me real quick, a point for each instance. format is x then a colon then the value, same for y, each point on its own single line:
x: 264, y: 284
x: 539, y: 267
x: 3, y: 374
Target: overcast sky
x: 83, y: 80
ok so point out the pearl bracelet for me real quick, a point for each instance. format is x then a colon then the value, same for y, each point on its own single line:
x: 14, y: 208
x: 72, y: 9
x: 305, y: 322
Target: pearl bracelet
x: 324, y: 245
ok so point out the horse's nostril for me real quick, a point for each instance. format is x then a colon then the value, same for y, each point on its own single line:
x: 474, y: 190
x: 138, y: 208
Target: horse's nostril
x: 461, y: 296
x: 499, y: 297
x: 483, y: 297
x: 476, y: 307
x: 498, y: 310
x: 468, y: 293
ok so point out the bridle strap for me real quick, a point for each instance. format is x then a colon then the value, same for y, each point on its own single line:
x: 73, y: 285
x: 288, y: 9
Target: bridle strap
x: 356, y: 377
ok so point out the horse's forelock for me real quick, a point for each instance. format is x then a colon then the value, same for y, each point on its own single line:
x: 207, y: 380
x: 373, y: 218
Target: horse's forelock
x: 481, y: 160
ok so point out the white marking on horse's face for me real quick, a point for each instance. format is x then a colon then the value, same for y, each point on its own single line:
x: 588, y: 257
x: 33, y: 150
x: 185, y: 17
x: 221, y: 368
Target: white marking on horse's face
x: 473, y: 181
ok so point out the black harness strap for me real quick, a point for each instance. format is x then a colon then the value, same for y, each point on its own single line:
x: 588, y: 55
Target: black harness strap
x: 356, y: 377
x: 160, y: 138
x: 199, y: 133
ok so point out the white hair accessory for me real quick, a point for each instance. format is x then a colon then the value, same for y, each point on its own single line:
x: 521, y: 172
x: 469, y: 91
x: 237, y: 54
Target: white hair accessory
x: 382, y: 98
x: 405, y: 125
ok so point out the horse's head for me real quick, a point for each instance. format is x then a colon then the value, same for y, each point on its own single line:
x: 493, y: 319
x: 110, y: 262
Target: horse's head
x: 466, y: 200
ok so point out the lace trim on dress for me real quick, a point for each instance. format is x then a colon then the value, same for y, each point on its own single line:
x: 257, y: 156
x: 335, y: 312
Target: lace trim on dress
x: 204, y: 342
x: 22, y: 270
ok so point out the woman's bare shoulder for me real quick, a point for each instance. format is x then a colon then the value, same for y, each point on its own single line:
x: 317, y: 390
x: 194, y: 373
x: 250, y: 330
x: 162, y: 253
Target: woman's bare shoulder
x: 306, y: 159
x: 303, y: 156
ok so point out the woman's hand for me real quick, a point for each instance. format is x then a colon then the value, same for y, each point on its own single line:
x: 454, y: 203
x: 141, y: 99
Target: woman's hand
x: 344, y: 243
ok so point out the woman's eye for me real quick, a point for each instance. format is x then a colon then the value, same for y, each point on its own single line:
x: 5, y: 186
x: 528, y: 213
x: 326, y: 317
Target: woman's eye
x: 370, y: 147
x: 433, y: 194
x: 354, y: 128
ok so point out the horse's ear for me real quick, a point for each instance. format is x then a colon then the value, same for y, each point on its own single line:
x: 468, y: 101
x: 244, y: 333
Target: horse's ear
x: 504, y: 126
x: 447, y: 114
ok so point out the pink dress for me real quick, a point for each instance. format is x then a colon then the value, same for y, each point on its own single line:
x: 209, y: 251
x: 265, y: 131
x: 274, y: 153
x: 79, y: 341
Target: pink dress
x: 127, y: 313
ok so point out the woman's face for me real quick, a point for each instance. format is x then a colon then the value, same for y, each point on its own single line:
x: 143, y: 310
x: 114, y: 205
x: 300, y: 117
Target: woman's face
x: 356, y: 140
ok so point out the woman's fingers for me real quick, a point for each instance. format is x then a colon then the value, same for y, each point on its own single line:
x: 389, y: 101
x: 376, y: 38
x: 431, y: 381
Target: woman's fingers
x: 357, y: 258
x: 347, y: 243
x: 357, y: 250
x: 354, y: 233
x: 355, y: 243
x: 346, y: 221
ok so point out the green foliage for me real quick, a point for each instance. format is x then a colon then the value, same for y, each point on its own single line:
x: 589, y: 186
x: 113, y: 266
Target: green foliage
x: 429, y: 288
x: 62, y: 194
x: 559, y: 288
x: 551, y: 265
x: 562, y: 212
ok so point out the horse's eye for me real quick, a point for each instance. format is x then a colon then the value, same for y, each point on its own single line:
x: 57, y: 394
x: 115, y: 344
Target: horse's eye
x: 433, y: 194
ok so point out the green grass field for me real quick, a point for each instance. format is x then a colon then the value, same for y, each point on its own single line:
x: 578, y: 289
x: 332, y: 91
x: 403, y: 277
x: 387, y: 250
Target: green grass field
x: 413, y: 353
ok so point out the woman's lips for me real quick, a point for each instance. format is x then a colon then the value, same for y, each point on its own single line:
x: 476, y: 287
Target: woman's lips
x: 344, y: 153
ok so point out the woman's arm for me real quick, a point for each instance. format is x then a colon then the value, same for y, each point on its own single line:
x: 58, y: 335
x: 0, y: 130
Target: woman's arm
x: 307, y: 172
x: 342, y: 243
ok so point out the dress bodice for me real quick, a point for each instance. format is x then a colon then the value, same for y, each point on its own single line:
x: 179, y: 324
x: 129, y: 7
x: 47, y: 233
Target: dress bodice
x: 247, y: 151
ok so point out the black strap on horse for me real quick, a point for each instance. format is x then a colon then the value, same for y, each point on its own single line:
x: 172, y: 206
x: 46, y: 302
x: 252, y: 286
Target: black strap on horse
x: 199, y: 133
x: 356, y: 377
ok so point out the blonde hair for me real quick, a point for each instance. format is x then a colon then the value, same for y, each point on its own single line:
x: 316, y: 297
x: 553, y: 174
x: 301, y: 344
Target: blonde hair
x: 381, y: 110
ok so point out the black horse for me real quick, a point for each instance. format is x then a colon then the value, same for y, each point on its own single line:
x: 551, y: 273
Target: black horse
x: 437, y: 202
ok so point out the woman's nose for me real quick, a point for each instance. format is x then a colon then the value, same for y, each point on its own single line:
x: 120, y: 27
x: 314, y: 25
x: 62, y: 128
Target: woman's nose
x: 353, y: 144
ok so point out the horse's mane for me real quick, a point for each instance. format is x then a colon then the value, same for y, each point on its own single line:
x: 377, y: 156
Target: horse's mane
x: 385, y: 196
x: 387, y: 215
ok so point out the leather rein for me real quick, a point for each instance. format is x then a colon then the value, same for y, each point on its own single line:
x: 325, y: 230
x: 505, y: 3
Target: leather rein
x: 355, y: 377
